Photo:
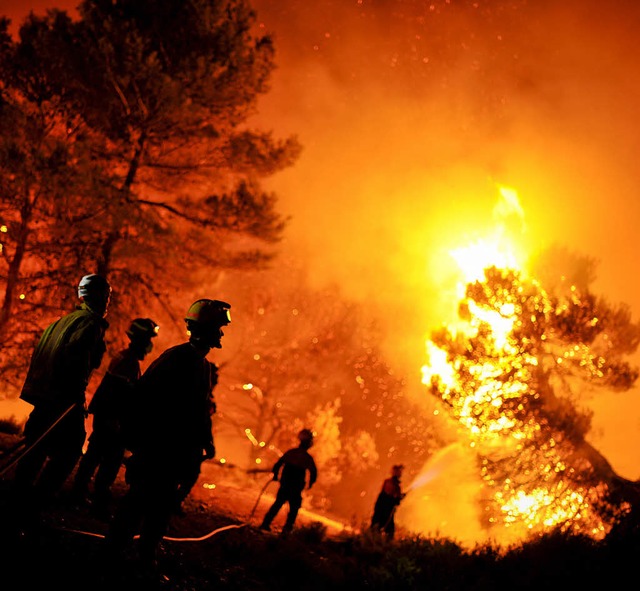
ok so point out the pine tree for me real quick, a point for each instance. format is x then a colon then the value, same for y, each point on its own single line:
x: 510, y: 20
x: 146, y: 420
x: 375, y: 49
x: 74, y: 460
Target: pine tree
x: 158, y: 175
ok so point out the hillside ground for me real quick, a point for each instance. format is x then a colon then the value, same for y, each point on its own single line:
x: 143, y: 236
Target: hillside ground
x: 217, y: 544
x: 221, y: 517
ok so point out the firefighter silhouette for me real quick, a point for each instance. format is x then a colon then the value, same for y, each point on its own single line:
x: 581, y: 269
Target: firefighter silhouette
x: 68, y: 352
x: 172, y: 433
x: 388, y: 499
x: 291, y: 471
x: 192, y: 472
x: 110, y: 406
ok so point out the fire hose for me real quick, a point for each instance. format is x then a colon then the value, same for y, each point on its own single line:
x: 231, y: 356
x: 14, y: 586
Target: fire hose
x: 93, y: 534
x: 262, y: 491
x: 8, y: 452
x: 168, y: 538
x: 34, y: 444
x: 198, y: 539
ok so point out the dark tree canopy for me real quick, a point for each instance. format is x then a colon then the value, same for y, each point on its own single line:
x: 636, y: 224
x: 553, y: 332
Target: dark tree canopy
x: 126, y: 151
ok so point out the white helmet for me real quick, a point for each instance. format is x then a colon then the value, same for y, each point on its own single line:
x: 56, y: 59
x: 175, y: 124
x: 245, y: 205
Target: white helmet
x: 93, y: 285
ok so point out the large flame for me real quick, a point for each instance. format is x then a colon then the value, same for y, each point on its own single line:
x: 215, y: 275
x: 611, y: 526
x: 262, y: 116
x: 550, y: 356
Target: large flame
x: 489, y: 405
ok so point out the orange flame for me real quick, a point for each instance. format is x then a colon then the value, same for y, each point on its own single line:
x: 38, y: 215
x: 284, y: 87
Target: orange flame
x: 487, y: 405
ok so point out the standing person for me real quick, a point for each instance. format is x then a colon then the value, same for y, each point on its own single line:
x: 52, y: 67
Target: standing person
x: 110, y: 406
x: 172, y: 432
x: 388, y: 499
x: 294, y: 463
x: 192, y: 473
x: 69, y: 350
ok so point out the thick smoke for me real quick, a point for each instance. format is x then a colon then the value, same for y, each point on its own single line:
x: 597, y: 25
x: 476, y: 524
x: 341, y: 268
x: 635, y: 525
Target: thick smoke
x: 411, y: 112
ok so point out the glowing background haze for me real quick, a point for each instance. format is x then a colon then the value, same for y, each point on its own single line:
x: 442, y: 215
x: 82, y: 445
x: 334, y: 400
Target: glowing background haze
x: 411, y: 112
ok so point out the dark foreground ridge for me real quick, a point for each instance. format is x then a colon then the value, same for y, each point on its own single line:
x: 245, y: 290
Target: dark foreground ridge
x: 216, y: 543
x: 214, y: 547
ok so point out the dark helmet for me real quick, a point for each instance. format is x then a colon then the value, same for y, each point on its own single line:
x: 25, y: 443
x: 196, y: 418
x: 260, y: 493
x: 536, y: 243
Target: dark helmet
x: 306, y: 437
x: 93, y: 286
x: 209, y: 312
x: 142, y: 329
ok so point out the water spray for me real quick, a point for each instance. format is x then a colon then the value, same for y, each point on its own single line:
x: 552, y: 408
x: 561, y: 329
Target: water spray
x: 424, y: 478
x: 435, y: 466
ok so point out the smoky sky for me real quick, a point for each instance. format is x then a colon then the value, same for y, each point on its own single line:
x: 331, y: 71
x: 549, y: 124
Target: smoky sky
x: 412, y: 113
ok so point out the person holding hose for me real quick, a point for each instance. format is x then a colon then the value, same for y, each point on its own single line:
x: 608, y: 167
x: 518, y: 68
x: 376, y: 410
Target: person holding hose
x: 291, y: 470
x: 388, y: 499
x: 68, y: 352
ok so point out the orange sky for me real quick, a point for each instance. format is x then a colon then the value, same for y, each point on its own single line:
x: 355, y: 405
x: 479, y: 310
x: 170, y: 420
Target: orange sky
x: 408, y: 121
x: 409, y: 114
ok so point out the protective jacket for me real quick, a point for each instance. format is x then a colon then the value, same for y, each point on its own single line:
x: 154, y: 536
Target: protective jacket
x: 294, y: 464
x: 65, y: 357
x: 175, y: 404
x: 113, y: 396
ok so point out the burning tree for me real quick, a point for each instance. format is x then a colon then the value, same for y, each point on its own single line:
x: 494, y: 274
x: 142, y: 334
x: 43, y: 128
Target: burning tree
x: 515, y: 375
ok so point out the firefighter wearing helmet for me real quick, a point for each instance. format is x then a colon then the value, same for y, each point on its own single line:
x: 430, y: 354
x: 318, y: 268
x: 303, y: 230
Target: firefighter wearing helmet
x: 95, y: 291
x: 390, y: 496
x: 291, y: 471
x: 111, y: 407
x: 172, y: 432
x: 68, y: 352
x: 141, y: 333
x: 205, y: 319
